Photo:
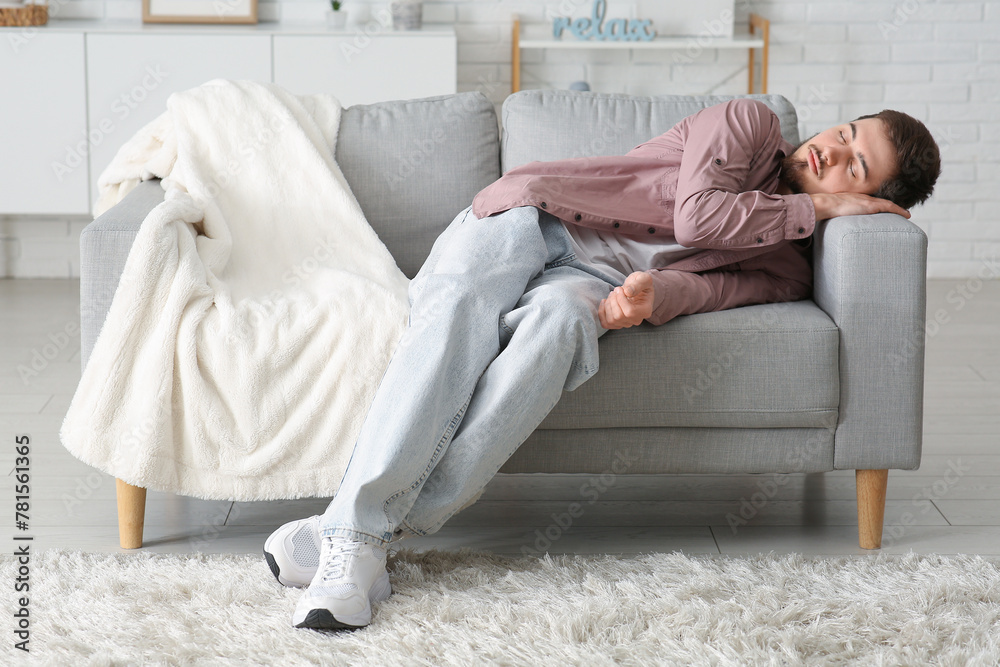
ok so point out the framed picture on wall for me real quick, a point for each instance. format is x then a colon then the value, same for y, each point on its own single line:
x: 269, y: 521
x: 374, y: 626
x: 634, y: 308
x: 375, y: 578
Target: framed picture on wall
x: 199, y: 11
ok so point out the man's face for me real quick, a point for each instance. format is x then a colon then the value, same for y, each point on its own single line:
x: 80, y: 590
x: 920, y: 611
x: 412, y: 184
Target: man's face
x: 852, y: 157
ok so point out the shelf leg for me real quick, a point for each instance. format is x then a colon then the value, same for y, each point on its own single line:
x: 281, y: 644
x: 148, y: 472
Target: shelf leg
x: 515, y: 56
x: 759, y: 22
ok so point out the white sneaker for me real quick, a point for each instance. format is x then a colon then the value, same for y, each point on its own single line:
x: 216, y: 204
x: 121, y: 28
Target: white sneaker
x: 351, y: 576
x: 292, y: 552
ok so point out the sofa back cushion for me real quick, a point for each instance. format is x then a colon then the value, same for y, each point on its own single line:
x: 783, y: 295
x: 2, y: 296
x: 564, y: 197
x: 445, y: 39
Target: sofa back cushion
x: 415, y: 164
x: 559, y: 124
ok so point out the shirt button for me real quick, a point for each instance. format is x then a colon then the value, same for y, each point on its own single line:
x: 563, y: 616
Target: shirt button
x: 651, y: 230
x: 618, y: 224
x: 579, y: 217
x: 760, y: 240
x: 718, y: 161
x: 544, y: 205
x: 802, y: 230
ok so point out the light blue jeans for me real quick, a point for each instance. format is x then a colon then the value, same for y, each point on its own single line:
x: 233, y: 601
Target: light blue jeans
x: 503, y: 318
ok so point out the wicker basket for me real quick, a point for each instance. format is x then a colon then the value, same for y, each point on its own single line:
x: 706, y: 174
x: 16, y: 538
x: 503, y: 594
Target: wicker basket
x: 24, y: 15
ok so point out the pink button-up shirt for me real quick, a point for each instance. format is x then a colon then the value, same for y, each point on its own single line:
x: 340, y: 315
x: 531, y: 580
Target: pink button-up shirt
x: 709, y: 182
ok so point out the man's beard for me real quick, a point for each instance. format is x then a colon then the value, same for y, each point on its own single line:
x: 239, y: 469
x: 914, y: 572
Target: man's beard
x: 793, y: 170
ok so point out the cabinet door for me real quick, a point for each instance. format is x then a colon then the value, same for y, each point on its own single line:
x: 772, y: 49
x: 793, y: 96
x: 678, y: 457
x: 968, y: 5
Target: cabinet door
x: 43, y: 130
x: 130, y: 77
x: 385, y: 67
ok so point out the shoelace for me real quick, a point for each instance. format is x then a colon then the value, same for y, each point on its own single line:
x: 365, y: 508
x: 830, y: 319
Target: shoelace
x: 339, y: 556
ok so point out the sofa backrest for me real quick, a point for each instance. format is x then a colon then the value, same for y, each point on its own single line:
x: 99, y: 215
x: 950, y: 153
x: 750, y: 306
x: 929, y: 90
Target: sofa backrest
x: 415, y: 164
x: 560, y: 124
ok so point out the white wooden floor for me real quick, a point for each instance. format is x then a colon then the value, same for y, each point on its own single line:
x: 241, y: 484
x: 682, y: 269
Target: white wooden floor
x: 950, y: 505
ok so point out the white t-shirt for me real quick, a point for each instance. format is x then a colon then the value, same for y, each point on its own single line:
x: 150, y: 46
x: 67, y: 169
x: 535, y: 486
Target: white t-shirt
x: 618, y: 255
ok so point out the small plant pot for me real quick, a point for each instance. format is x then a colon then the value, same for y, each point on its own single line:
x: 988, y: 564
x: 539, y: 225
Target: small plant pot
x: 336, y: 20
x: 406, y: 15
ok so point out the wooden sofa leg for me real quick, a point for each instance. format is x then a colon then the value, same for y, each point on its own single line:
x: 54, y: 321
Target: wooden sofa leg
x: 871, y: 506
x: 131, y: 514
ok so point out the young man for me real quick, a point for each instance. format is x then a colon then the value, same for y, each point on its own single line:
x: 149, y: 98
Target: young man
x: 507, y: 310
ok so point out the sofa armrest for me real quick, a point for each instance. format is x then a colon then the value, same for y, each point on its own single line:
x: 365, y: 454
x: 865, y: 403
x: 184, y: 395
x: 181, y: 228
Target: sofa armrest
x: 871, y: 279
x: 104, y: 247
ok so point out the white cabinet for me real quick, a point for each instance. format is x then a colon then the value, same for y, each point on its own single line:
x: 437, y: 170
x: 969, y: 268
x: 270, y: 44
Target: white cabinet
x: 392, y: 66
x: 43, y: 124
x: 130, y: 77
x: 74, y: 91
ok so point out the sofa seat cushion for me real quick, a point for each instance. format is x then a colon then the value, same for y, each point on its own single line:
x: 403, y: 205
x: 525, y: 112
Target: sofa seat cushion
x: 765, y: 366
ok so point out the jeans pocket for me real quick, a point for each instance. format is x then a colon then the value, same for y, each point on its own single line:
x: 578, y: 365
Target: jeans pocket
x: 505, y: 332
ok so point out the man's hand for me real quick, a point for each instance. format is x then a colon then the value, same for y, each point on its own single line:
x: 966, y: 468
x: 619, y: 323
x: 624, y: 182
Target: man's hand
x: 852, y: 203
x: 629, y: 304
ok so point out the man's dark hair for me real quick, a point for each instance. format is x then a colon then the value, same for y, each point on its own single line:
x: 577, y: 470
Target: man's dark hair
x: 918, y: 160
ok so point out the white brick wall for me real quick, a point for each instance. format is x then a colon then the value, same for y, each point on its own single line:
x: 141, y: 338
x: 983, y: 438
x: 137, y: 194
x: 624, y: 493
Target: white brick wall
x: 938, y: 60
x: 40, y: 246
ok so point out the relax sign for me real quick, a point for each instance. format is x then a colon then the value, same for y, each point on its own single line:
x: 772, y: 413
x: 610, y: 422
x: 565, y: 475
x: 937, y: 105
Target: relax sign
x: 594, y: 27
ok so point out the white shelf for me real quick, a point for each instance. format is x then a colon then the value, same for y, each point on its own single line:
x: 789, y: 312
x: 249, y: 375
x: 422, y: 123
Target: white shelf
x: 529, y: 37
x: 261, y: 28
x: 736, y: 42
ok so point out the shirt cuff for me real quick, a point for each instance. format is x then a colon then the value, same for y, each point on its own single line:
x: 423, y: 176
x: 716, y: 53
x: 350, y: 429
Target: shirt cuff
x: 677, y: 293
x: 800, y: 216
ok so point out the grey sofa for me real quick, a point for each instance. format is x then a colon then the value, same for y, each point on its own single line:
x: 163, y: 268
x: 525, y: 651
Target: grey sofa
x: 834, y: 382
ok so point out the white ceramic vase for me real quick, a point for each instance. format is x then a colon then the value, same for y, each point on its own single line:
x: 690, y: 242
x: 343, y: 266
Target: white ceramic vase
x: 336, y: 20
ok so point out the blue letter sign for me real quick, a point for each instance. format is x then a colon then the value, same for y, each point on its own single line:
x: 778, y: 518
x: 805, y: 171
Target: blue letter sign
x: 618, y: 30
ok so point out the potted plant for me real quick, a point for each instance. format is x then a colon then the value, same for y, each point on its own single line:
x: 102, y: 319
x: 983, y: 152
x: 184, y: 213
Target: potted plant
x: 335, y: 18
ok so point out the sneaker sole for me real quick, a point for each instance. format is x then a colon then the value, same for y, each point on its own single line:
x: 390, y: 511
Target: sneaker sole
x: 272, y: 564
x: 275, y: 570
x: 322, y: 619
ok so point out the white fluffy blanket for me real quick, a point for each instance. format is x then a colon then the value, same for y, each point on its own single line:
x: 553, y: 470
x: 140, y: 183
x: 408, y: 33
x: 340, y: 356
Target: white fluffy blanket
x: 257, y: 310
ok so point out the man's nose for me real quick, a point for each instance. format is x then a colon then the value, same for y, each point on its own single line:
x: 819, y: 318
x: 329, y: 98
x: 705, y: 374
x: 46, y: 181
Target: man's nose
x: 833, y: 154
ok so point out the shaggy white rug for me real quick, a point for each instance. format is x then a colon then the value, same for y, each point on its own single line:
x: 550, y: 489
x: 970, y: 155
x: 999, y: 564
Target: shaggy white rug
x: 470, y: 608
